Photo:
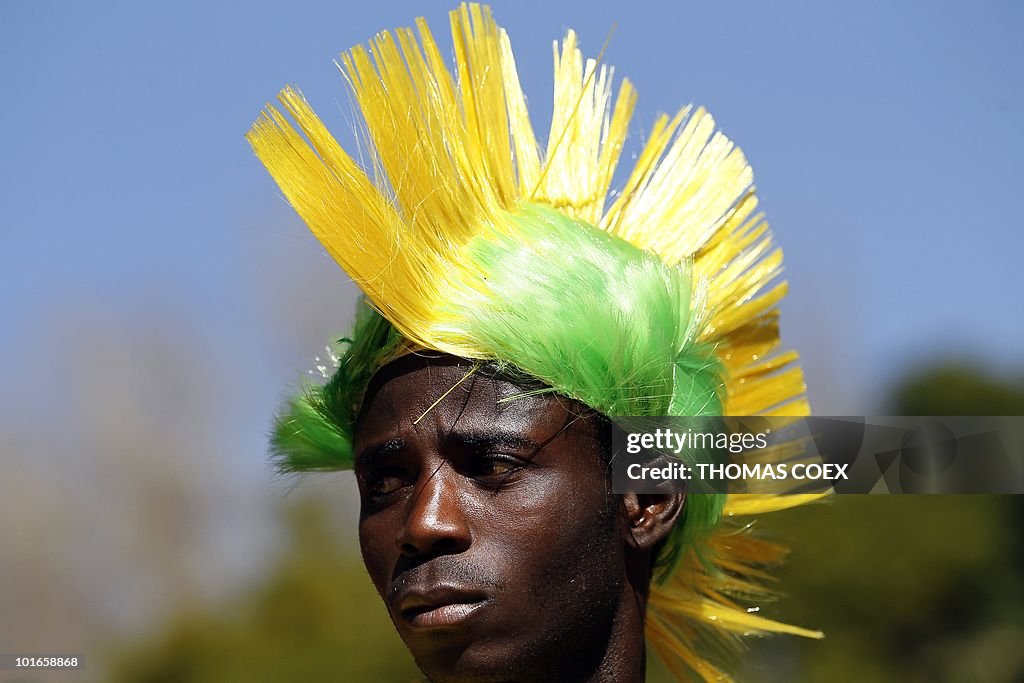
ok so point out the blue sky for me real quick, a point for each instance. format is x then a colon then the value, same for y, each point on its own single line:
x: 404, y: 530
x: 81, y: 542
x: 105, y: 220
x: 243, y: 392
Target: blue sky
x: 885, y: 137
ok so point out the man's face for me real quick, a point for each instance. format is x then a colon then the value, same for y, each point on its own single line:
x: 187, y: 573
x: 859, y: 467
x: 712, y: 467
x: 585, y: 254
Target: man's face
x: 486, y: 524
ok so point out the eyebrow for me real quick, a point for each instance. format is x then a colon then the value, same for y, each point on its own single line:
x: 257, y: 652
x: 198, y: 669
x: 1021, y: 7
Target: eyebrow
x: 371, y: 453
x: 490, y: 438
x: 473, y: 438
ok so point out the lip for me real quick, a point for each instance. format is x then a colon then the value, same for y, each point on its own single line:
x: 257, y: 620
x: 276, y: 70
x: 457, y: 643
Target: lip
x: 439, y: 607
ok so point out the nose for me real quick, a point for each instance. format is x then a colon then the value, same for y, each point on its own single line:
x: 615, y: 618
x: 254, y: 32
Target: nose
x: 436, y: 523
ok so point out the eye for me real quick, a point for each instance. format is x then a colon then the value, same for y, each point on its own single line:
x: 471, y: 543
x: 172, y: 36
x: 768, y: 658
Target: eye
x: 382, y: 486
x: 384, y: 481
x: 495, y: 466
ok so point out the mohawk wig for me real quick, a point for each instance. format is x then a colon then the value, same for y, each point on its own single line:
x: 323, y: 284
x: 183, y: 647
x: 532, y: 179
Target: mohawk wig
x: 468, y: 237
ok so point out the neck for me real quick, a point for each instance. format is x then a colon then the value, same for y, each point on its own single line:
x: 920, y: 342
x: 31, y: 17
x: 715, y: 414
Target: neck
x: 624, y: 659
x: 623, y: 656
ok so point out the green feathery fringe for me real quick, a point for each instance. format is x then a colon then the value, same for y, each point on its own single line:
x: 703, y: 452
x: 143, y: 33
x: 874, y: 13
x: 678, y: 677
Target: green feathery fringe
x: 314, y: 432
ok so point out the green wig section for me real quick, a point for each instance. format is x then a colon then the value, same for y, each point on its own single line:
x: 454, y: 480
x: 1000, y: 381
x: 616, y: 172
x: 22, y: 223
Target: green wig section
x: 314, y: 432
x: 592, y: 316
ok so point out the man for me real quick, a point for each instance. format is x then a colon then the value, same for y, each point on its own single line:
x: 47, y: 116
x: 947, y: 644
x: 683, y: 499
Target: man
x: 489, y: 529
x: 512, y: 307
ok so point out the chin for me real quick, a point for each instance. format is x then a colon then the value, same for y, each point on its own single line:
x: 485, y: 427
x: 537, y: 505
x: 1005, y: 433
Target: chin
x: 477, y: 662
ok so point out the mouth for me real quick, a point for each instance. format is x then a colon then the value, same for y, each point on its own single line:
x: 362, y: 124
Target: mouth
x: 439, y: 607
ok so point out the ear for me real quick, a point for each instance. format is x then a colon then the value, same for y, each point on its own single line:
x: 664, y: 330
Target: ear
x: 650, y: 517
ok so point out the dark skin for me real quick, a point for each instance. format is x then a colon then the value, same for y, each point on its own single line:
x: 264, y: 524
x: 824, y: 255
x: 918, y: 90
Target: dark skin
x: 488, y: 529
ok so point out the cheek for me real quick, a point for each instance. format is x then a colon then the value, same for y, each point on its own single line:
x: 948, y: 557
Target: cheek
x: 550, y: 536
x: 377, y: 544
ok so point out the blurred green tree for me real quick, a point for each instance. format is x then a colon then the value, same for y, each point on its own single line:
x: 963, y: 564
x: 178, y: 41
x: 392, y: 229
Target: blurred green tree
x: 907, y: 588
x: 957, y: 389
x: 317, y: 618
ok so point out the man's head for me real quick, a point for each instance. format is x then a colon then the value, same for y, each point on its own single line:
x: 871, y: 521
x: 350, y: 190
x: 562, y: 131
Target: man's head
x: 488, y: 526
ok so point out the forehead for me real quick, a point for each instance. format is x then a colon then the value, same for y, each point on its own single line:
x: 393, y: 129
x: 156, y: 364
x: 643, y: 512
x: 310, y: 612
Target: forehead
x: 428, y: 394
